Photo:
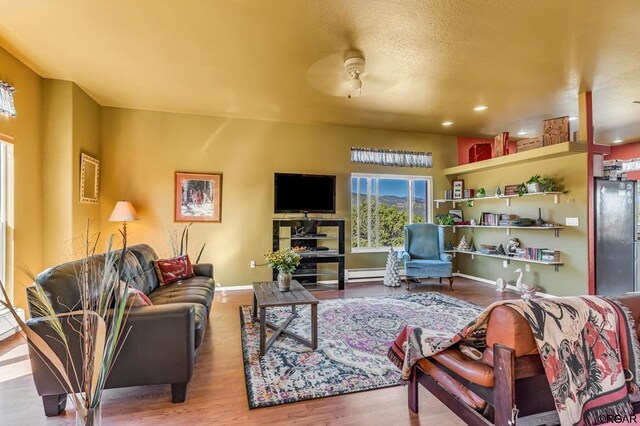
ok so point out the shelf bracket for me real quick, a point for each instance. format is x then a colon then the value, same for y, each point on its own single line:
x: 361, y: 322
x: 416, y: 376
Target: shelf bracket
x: 508, y: 200
x: 556, y: 198
x: 454, y: 229
x: 508, y: 231
x: 437, y: 204
x: 473, y: 256
x: 557, y: 267
x: 556, y: 232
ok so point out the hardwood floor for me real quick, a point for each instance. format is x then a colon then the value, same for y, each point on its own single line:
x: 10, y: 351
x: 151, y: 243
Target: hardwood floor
x: 217, y: 393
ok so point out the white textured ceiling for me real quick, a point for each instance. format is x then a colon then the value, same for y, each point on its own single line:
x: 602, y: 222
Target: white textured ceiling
x: 427, y: 61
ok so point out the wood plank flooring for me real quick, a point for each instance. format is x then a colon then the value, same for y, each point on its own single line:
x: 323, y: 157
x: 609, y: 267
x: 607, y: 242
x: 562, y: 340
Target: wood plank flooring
x: 217, y: 393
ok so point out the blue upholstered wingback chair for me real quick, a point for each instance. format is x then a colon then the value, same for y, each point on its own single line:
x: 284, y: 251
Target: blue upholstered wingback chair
x: 424, y: 254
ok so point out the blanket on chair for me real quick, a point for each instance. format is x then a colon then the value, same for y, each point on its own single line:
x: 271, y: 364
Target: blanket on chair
x: 588, y: 346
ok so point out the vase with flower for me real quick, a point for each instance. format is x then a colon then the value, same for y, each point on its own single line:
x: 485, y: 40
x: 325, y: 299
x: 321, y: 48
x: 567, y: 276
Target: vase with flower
x: 285, y: 261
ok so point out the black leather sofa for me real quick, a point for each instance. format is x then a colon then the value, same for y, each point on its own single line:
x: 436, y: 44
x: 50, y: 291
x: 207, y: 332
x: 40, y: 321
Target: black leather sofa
x: 163, y: 338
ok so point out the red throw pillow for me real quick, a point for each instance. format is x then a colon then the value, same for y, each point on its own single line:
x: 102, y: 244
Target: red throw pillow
x: 172, y: 270
x: 135, y: 297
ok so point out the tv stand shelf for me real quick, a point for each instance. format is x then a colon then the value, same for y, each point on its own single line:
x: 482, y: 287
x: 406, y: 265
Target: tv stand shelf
x: 303, y: 232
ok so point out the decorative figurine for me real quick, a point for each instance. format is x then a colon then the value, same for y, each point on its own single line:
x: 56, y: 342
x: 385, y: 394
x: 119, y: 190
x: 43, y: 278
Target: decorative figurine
x: 500, y: 251
x: 501, y: 285
x: 449, y: 246
x: 462, y: 245
x: 472, y: 247
x: 498, y: 191
x: 527, y: 290
x: 511, y: 247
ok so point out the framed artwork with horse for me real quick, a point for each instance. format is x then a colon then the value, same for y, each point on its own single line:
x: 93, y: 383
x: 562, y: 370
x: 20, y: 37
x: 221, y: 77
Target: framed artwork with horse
x: 198, y: 197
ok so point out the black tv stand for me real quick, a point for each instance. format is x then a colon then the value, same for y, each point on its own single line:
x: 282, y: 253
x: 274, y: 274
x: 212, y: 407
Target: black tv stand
x: 304, y: 232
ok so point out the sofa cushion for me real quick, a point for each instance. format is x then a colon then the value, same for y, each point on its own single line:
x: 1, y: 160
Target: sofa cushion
x: 174, y: 269
x: 183, y: 292
x: 452, y: 385
x: 146, y: 256
x: 202, y: 315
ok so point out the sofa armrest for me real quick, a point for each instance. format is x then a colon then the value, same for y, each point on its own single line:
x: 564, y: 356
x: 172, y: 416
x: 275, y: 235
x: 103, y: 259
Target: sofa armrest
x: 406, y: 256
x: 159, y: 348
x: 203, y: 269
x: 445, y: 257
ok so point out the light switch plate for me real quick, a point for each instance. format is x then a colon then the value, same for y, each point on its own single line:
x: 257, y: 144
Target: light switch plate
x: 505, y: 263
x: 572, y: 221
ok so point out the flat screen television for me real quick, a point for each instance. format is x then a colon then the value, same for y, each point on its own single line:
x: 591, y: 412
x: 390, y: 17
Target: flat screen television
x: 298, y: 193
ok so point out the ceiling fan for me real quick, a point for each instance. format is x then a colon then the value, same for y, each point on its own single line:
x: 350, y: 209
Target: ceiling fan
x: 343, y: 74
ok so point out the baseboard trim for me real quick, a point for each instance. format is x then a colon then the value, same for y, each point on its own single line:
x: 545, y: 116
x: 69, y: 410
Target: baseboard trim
x: 491, y: 282
x: 8, y: 325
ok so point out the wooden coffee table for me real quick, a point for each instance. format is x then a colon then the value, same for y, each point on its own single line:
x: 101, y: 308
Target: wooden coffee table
x: 266, y: 295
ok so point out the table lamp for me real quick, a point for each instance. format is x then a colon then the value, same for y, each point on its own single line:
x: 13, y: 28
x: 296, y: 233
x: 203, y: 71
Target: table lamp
x: 123, y: 212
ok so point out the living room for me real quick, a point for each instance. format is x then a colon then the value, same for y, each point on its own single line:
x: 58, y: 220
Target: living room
x: 241, y: 92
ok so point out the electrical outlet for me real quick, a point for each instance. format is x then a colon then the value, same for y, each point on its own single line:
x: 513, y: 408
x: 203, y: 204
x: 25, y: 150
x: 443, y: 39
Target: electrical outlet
x: 505, y: 264
x: 252, y: 264
x: 527, y: 268
x: 572, y: 221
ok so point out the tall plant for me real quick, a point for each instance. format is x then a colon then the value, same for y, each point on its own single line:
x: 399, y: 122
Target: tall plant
x: 181, y: 247
x: 102, y: 321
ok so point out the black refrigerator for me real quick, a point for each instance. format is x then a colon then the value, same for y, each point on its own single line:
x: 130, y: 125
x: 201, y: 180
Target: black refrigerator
x: 616, y: 235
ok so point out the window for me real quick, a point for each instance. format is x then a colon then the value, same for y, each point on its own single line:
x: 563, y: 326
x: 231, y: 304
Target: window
x: 381, y: 206
x: 6, y: 214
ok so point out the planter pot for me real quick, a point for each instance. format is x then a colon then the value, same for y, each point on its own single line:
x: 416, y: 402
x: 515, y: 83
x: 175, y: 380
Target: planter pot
x: 284, y: 280
x: 533, y: 187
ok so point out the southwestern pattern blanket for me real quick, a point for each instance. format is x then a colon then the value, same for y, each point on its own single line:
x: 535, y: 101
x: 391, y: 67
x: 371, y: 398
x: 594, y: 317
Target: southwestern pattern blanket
x: 587, y: 344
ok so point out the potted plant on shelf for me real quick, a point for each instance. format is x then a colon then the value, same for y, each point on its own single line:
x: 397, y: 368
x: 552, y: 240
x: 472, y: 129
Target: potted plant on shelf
x: 534, y: 184
x: 445, y: 219
x: 285, y: 261
x: 551, y: 184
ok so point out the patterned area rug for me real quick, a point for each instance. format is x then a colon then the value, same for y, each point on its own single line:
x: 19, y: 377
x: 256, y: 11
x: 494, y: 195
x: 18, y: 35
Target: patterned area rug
x: 353, y: 338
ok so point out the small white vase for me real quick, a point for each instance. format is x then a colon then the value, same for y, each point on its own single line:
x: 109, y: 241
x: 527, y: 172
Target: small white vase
x: 284, y: 280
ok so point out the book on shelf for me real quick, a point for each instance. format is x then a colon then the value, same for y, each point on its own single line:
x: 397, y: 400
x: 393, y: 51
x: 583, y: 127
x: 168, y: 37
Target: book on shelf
x: 496, y: 219
x: 540, y: 254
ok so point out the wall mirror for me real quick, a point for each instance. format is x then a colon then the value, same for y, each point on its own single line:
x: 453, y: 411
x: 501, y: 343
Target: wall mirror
x: 89, y: 179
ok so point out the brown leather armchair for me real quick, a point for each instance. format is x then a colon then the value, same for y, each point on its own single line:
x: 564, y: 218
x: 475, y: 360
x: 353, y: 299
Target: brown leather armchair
x: 509, y: 373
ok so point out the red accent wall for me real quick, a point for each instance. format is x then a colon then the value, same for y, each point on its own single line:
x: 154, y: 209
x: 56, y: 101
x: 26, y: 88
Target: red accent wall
x: 463, y: 147
x: 622, y: 152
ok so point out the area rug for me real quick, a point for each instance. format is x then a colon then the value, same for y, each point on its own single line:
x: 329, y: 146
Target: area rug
x: 354, y: 335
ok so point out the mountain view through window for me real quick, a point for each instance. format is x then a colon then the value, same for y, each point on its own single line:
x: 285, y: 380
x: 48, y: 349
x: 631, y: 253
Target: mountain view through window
x: 381, y: 206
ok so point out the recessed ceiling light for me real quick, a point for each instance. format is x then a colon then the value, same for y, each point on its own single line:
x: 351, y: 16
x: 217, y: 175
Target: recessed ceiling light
x: 522, y: 132
x: 447, y: 123
x: 480, y: 108
x: 572, y: 118
x: 618, y: 141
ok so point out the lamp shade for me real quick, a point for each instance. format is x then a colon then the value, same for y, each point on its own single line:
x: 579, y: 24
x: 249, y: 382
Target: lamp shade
x: 123, y: 212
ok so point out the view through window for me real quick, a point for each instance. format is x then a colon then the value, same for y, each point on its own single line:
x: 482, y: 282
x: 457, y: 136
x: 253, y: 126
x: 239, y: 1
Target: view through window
x: 381, y: 206
x: 6, y: 212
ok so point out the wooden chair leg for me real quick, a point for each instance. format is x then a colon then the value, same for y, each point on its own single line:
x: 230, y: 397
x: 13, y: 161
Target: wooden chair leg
x: 451, y: 283
x: 413, y: 391
x: 407, y: 280
x: 440, y: 280
x: 504, y: 391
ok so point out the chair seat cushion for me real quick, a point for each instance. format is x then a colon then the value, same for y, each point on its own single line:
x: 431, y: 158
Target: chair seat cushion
x: 474, y: 371
x: 428, y: 268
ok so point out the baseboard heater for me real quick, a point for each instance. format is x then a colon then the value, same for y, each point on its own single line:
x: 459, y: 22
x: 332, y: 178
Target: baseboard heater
x: 366, y: 274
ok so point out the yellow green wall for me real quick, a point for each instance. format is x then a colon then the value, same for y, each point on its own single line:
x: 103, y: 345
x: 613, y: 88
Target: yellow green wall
x: 141, y: 150
x: 26, y: 134
x: 572, y: 278
x: 70, y: 126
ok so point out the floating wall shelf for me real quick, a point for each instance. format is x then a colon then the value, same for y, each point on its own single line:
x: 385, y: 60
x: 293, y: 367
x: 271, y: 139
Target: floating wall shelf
x: 556, y: 229
x: 551, y: 151
x: 555, y: 195
x: 473, y: 254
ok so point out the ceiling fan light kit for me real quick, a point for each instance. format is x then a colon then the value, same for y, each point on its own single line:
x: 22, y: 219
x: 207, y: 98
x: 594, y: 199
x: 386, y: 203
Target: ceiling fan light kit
x: 354, y: 68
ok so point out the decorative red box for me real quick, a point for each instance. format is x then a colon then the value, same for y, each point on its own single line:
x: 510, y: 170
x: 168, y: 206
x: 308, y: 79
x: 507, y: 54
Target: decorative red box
x: 479, y: 151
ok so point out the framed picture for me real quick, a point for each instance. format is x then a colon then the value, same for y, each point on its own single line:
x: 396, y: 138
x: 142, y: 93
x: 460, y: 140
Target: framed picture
x: 89, y: 179
x: 501, y: 144
x: 198, y: 197
x: 511, y: 189
x: 456, y: 215
x: 555, y: 130
x: 458, y: 189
